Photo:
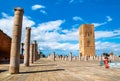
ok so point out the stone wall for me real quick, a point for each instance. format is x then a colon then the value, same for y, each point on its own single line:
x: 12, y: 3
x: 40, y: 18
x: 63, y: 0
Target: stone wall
x: 5, y: 45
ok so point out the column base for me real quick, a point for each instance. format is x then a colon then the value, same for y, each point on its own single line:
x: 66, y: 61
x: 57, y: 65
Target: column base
x: 13, y: 70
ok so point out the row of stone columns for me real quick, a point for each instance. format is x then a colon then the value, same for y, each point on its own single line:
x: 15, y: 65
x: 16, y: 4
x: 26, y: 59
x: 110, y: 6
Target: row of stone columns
x: 30, y: 51
x: 33, y: 52
x: 54, y: 57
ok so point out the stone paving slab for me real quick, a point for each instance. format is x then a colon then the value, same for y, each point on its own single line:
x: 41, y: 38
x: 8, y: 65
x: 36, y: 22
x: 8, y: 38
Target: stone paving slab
x: 90, y: 71
x: 46, y: 70
x: 42, y: 70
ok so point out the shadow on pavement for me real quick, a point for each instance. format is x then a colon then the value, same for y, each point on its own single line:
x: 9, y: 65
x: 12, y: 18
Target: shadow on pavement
x: 42, y: 71
x: 2, y: 71
x: 43, y: 65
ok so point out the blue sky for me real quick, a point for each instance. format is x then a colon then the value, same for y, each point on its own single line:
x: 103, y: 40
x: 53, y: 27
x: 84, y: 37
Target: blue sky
x: 55, y: 23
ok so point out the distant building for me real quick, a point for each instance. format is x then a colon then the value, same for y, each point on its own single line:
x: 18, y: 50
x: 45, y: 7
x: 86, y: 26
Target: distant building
x: 87, y: 40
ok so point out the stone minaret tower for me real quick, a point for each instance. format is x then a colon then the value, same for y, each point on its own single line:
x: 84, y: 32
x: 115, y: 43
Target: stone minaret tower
x: 87, y: 40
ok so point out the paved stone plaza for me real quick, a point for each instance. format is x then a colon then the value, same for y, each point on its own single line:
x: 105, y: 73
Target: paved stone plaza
x: 46, y: 70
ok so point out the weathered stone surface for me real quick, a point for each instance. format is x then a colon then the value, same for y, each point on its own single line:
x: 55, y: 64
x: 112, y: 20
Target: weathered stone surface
x: 5, y: 45
x: 31, y: 53
x: 87, y: 40
x: 53, y: 56
x: 70, y: 56
x: 27, y: 46
x: 35, y: 51
x: 47, y: 70
x: 16, y: 39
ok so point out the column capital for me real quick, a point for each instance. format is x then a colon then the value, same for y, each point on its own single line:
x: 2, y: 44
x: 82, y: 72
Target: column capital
x: 35, y: 42
x: 28, y: 28
x: 19, y: 9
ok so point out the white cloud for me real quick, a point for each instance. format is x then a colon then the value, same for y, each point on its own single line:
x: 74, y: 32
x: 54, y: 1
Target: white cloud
x: 107, y: 47
x: 106, y: 34
x: 41, y: 7
x: 60, y: 46
x: 103, y: 34
x: 37, y: 6
x: 71, y: 1
x: 109, y: 18
x: 50, y: 25
x: 99, y: 24
x: 6, y: 24
x: 4, y: 14
x: 70, y: 35
x: 49, y: 31
x: 76, y: 1
x: 43, y: 11
x: 48, y: 35
x: 76, y: 18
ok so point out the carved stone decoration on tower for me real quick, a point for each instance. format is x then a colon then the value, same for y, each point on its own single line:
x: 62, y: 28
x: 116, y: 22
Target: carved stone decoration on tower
x: 87, y: 40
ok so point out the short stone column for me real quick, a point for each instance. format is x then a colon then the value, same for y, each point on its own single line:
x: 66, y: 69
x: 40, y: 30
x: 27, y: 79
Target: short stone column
x: 31, y: 53
x: 85, y: 58
x: 91, y: 57
x: 113, y: 57
x: 101, y: 58
x: 27, y: 46
x: 16, y: 39
x: 65, y: 58
x: 70, y: 56
x: 53, y: 56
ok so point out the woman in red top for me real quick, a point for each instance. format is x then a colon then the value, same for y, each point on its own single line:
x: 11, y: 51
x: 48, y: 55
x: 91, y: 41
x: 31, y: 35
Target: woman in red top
x: 106, y: 61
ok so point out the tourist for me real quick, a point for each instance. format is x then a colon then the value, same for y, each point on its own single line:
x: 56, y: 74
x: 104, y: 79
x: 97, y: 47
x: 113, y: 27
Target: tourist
x: 106, y: 61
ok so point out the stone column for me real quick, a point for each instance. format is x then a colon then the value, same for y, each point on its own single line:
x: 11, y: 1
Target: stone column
x: 31, y: 53
x: 27, y: 46
x: 85, y: 58
x: 113, y: 57
x: 65, y: 58
x: 70, y: 56
x: 16, y: 39
x: 35, y: 51
x: 53, y: 56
